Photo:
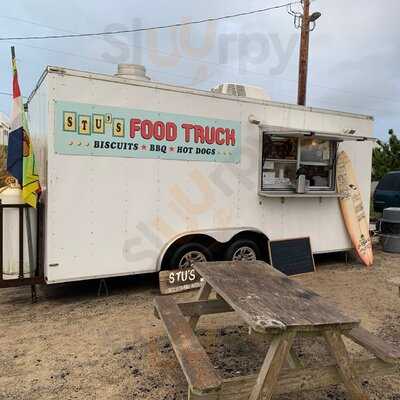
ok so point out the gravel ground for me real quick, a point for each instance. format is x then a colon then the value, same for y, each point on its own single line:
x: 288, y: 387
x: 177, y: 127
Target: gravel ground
x: 75, y: 345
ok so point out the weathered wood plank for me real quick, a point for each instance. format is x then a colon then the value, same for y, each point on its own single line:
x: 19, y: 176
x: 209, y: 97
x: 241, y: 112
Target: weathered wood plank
x: 344, y: 365
x: 312, y: 333
x: 203, y: 294
x: 268, y: 300
x: 272, y: 365
x: 304, y: 379
x: 193, y: 359
x: 204, y: 307
x: 178, y: 280
x: 383, y: 350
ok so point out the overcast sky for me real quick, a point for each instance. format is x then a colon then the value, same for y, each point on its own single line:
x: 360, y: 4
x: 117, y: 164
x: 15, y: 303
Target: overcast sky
x: 354, y: 52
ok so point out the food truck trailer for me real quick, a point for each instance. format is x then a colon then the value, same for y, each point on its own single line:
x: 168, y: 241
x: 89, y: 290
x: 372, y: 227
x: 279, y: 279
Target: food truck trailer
x: 140, y: 176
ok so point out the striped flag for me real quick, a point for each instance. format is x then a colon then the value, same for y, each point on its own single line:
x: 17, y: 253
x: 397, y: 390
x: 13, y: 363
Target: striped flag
x: 20, y: 157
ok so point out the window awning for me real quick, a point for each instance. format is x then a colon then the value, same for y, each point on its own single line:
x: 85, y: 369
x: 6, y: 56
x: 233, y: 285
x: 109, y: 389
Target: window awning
x: 339, y: 137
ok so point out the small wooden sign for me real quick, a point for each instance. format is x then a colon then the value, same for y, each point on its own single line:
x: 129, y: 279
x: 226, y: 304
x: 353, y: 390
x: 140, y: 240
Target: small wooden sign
x: 179, y: 280
x: 292, y: 256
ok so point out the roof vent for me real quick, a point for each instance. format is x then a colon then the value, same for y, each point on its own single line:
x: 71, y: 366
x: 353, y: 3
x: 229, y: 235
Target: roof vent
x: 132, y: 71
x: 238, y: 90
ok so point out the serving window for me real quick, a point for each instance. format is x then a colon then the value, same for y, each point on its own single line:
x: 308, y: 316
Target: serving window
x: 285, y: 158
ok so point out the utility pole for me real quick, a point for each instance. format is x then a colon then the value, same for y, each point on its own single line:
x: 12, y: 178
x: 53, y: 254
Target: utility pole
x: 303, y: 59
x: 306, y: 23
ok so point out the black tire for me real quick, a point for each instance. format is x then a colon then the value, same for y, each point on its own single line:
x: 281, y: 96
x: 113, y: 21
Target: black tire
x: 246, y: 244
x: 184, y: 250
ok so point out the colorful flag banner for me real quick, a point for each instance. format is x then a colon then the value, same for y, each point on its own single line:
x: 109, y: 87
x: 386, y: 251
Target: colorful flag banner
x: 20, y: 158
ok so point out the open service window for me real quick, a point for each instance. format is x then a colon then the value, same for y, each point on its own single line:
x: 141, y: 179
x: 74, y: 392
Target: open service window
x: 285, y: 158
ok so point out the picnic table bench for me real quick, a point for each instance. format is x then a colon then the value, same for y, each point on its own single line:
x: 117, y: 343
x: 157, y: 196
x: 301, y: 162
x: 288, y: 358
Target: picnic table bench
x: 271, y: 304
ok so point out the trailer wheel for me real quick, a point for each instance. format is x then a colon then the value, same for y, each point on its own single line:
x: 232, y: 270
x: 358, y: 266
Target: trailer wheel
x: 186, y: 255
x: 243, y: 250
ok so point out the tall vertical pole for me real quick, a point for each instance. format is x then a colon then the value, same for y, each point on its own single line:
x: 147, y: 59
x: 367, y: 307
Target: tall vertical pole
x: 304, y: 46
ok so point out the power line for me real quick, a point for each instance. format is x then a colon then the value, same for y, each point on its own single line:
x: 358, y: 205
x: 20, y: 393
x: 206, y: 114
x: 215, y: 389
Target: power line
x: 25, y: 21
x: 177, y: 25
x: 9, y: 94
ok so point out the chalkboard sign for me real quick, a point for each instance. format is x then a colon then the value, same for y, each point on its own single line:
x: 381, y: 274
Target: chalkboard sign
x: 292, y: 256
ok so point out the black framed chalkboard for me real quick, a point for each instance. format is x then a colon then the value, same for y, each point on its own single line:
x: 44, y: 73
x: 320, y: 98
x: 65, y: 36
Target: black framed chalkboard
x: 292, y: 256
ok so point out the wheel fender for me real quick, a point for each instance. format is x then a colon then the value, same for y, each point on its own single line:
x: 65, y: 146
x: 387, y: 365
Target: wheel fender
x: 220, y: 235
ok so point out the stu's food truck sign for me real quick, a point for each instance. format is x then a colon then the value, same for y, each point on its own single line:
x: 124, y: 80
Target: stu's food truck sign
x: 86, y: 129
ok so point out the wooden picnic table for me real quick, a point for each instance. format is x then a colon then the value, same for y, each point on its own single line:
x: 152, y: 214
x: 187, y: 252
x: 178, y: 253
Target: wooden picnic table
x: 271, y: 304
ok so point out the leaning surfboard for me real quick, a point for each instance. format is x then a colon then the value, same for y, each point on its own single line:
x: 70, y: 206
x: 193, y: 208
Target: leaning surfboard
x: 352, y: 207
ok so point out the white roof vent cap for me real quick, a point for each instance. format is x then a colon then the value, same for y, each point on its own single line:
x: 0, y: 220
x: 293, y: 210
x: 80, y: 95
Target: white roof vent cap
x: 132, y: 71
x: 239, y: 90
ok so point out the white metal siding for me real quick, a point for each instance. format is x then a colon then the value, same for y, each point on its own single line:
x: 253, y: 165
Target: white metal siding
x: 112, y: 216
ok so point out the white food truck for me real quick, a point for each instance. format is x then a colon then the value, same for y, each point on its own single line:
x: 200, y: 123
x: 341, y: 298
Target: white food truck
x: 140, y: 176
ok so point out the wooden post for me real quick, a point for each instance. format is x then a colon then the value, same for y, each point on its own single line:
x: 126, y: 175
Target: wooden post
x: 304, y: 47
x: 344, y: 365
x: 269, y: 374
x: 203, y: 294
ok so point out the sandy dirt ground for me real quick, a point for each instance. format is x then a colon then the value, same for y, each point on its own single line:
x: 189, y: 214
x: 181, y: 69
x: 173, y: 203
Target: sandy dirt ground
x: 75, y: 345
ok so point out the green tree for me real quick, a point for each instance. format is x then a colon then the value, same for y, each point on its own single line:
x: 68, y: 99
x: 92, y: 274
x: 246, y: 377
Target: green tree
x: 386, y: 157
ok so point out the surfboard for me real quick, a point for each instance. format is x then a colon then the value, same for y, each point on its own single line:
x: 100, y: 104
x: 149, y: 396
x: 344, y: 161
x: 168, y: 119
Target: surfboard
x: 351, y: 204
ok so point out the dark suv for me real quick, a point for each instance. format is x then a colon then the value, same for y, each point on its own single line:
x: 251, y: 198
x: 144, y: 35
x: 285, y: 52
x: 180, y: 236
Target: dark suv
x: 387, y: 193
